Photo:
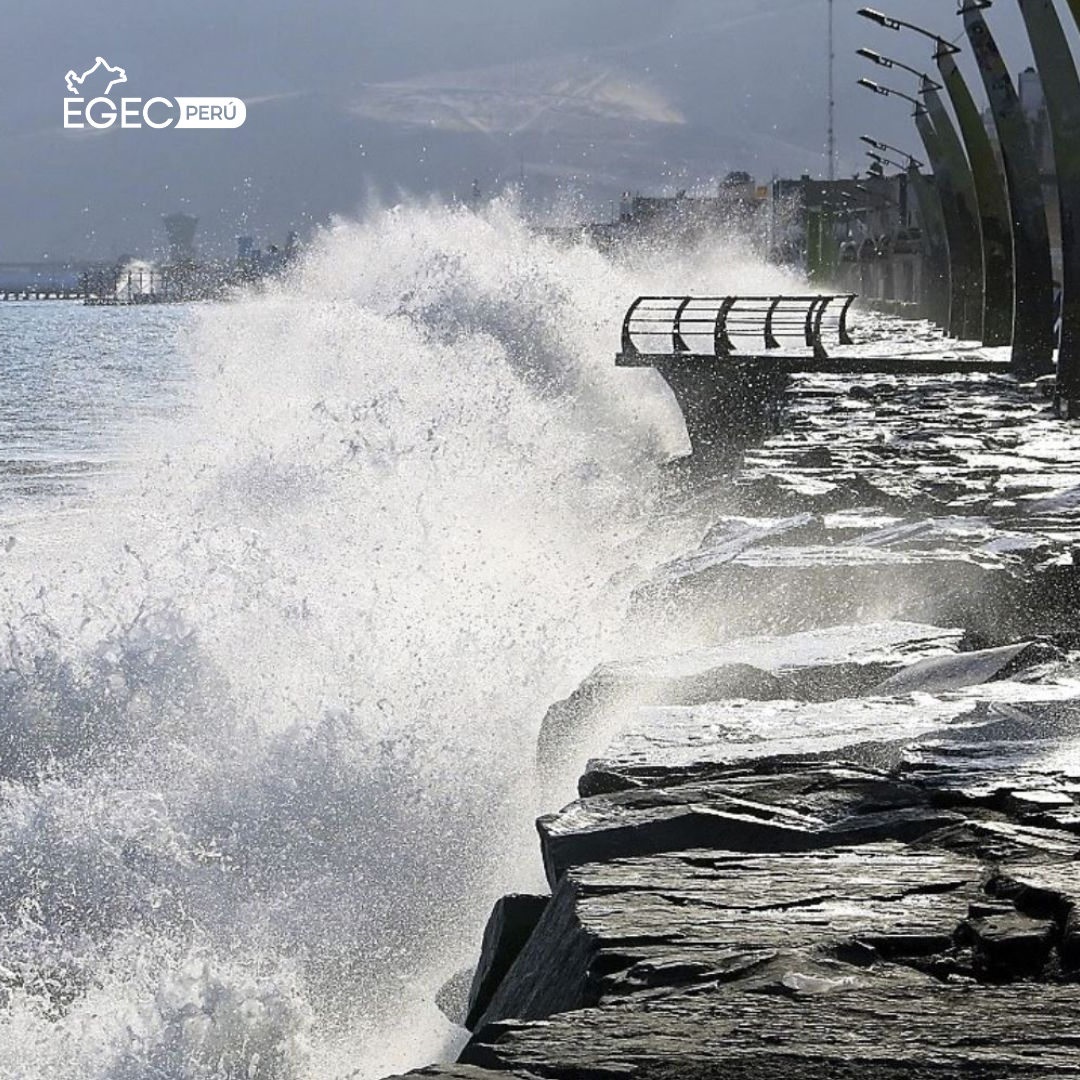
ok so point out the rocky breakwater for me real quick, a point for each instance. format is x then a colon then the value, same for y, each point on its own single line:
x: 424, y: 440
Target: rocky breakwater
x: 836, y: 831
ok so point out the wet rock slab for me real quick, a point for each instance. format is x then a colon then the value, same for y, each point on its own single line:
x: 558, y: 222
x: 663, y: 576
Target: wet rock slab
x: 1021, y: 758
x: 801, y: 809
x: 820, y: 664
x: 671, y: 744
x: 795, y: 588
x: 708, y: 916
x: 937, y: 674
x: 980, y: 720
x: 868, y: 1030
x: 458, y: 1071
x: 509, y: 927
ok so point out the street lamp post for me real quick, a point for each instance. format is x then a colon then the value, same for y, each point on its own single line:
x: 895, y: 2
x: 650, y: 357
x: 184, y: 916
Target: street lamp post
x: 883, y: 162
x: 995, y: 221
x: 934, y: 283
x: 1061, y: 91
x: 887, y: 62
x: 1033, y: 322
x: 889, y: 23
x: 960, y: 184
x: 993, y: 200
x: 967, y: 208
x: 886, y: 148
x: 960, y: 253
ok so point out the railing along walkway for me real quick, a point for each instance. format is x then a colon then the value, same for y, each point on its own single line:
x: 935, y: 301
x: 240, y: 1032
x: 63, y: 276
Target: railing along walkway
x: 662, y: 327
x: 783, y: 333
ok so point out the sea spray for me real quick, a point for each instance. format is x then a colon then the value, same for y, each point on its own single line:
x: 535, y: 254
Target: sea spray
x: 269, y: 719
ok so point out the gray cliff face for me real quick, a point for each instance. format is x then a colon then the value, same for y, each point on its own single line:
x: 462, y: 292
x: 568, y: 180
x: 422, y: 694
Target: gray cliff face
x: 838, y: 833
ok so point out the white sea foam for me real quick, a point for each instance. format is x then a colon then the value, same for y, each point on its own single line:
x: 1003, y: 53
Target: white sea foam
x: 268, y: 710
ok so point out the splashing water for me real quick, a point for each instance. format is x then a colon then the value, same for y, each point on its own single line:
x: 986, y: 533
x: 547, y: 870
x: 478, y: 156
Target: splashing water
x: 268, y: 723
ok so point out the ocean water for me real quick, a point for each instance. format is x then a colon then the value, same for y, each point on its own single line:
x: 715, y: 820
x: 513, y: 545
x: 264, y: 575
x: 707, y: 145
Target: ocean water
x: 76, y: 386
x: 287, y: 584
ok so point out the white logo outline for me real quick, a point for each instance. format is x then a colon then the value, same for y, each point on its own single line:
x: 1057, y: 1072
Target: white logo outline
x: 71, y: 77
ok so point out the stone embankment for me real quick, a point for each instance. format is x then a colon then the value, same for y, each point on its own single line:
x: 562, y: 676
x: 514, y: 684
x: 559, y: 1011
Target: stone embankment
x: 839, y: 835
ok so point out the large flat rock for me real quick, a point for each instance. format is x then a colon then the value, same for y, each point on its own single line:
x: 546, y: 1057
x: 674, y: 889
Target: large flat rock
x: 872, y: 646
x: 822, y: 664
x: 865, y: 1029
x: 709, y: 915
x: 787, y: 589
x: 730, y: 536
x: 457, y: 1071
x: 663, y: 745
x: 676, y: 744
x: 1019, y: 757
x: 1006, y: 845
x: 801, y: 809
x: 936, y: 674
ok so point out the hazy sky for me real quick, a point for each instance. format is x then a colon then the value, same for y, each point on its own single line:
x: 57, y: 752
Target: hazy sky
x: 353, y: 98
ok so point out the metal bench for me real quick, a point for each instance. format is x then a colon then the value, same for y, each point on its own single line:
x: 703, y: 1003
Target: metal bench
x: 662, y: 328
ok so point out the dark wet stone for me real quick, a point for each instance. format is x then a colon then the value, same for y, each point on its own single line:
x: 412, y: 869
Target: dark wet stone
x: 1044, y: 890
x: 807, y: 808
x: 722, y: 914
x: 511, y: 922
x: 460, y: 1072
x: 1067, y: 820
x: 816, y: 458
x: 675, y: 819
x: 1036, y: 803
x: 1070, y: 938
x: 1019, y: 758
x: 864, y: 1030
x: 1009, y: 945
x: 1006, y: 843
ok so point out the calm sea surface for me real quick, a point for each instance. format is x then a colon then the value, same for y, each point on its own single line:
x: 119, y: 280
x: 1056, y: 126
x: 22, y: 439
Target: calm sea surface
x: 76, y: 385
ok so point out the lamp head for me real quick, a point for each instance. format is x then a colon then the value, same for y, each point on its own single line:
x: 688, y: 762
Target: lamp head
x: 876, y: 87
x: 874, y: 57
x: 880, y: 18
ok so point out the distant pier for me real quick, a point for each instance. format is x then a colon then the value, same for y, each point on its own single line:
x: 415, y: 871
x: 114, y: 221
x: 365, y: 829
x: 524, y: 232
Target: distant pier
x: 109, y: 287
x: 43, y: 293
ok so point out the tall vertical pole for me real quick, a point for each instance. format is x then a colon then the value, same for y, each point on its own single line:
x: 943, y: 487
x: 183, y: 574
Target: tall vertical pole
x: 993, y: 205
x: 1033, y: 327
x: 936, y: 283
x: 1061, y: 89
x: 957, y: 237
x: 832, y: 93
x: 966, y: 209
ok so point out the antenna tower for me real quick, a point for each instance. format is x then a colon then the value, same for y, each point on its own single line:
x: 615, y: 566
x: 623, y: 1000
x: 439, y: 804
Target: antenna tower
x: 832, y: 93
